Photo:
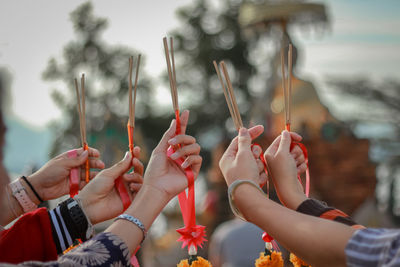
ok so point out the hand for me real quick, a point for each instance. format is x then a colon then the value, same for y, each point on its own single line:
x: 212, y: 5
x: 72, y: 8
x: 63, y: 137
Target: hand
x: 100, y: 199
x: 238, y: 161
x: 284, y: 166
x: 52, y: 180
x: 163, y: 173
x: 257, y: 152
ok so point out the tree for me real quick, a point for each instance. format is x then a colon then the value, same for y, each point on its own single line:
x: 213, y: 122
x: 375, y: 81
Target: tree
x: 209, y: 33
x: 106, y: 69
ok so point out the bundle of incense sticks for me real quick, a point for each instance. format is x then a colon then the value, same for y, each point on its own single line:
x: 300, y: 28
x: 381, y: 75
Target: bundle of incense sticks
x: 229, y: 94
x: 82, y: 120
x: 131, y: 121
x: 172, y: 78
x: 287, y: 85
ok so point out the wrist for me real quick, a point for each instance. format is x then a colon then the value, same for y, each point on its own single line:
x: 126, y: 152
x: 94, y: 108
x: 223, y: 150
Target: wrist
x: 148, y: 203
x: 294, y: 200
x: 246, y: 197
x: 29, y: 191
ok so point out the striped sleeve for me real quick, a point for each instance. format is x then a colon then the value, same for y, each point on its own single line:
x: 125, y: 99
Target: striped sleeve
x: 320, y: 209
x: 374, y: 247
x: 61, y: 235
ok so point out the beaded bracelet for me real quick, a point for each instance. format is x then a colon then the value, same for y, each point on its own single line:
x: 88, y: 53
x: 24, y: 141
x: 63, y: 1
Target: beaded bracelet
x: 135, y: 221
x: 231, y: 190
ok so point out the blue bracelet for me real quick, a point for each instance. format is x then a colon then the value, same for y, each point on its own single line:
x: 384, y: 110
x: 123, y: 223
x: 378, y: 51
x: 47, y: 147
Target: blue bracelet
x: 135, y: 221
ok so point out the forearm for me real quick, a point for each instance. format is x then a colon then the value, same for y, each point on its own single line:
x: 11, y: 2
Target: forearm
x: 147, y: 205
x: 315, y: 240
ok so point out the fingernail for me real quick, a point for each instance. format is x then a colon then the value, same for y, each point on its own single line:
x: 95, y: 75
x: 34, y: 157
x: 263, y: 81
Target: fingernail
x: 85, y: 153
x: 172, y: 122
x: 185, y: 164
x: 242, y: 131
x: 126, y: 155
x: 172, y: 141
x: 174, y: 156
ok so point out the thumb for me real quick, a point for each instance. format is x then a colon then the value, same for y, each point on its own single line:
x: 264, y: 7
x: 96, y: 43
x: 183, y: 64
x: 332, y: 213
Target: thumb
x: 120, y: 168
x: 163, y: 144
x: 284, y: 145
x: 244, y: 141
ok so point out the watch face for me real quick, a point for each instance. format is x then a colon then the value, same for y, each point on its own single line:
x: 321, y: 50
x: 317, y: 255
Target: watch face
x: 330, y: 131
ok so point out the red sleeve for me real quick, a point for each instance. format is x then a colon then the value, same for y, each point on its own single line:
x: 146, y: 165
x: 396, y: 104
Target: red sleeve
x: 29, y: 239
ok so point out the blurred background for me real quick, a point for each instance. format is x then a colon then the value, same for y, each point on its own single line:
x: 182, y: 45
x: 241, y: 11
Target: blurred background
x: 346, y: 91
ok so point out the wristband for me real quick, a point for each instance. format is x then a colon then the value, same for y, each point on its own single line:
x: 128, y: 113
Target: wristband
x: 231, y: 190
x: 135, y: 221
x: 76, y: 220
x: 19, y: 192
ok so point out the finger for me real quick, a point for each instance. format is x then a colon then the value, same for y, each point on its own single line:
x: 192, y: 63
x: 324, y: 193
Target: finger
x: 302, y: 168
x: 284, y: 145
x: 300, y: 160
x: 137, y: 166
x: 295, y: 137
x: 136, y: 152
x: 186, y: 151
x: 96, y: 164
x: 193, y: 161
x: 273, y: 148
x: 120, y: 168
x: 77, y: 161
x: 260, y: 166
x: 256, y: 131
x: 182, y: 139
x: 257, y: 150
x: 93, y: 152
x: 263, y: 179
x: 232, y: 148
x: 296, y: 151
x: 163, y: 144
x: 184, y: 117
x: 244, y: 141
x: 134, y: 187
x: 132, y: 178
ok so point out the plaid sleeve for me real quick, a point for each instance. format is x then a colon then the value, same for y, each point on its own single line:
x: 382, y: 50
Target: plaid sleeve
x: 373, y: 247
x: 320, y: 209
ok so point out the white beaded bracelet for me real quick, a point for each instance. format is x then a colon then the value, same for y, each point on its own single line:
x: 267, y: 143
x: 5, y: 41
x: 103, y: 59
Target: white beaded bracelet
x: 231, y: 190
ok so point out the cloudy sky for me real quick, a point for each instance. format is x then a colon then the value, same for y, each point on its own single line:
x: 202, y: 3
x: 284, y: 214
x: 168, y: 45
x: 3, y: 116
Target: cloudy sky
x: 364, y: 40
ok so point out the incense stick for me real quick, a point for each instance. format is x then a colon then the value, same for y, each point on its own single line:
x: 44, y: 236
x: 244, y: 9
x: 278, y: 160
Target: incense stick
x: 232, y: 95
x: 228, y: 102
x: 79, y: 109
x: 229, y: 95
x: 83, y: 107
x: 171, y: 73
x: 135, y: 88
x: 289, y: 82
x: 285, y: 97
x: 131, y: 112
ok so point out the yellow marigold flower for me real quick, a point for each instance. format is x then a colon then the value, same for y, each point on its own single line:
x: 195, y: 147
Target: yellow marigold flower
x: 273, y: 260
x: 297, y: 262
x: 200, y: 262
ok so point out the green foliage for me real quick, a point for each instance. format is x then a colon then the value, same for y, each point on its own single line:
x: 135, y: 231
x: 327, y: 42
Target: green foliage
x: 208, y: 33
x: 106, y: 71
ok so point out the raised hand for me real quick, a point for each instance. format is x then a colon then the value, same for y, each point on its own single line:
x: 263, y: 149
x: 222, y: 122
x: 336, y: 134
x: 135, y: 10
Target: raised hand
x: 52, y: 180
x: 284, y: 166
x: 239, y: 161
x: 163, y: 173
x: 100, y: 199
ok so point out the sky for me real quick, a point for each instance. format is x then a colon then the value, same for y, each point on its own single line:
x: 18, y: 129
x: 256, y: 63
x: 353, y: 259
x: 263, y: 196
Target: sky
x: 364, y: 40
